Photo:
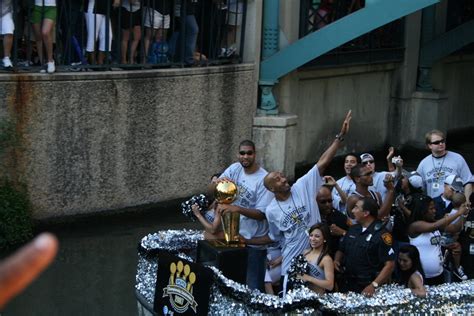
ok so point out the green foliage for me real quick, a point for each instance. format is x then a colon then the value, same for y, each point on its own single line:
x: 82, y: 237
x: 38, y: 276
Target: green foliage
x: 8, y: 137
x: 15, y: 218
x: 15, y: 221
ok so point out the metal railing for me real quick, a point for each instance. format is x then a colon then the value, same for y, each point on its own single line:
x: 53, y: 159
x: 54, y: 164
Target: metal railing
x: 458, y: 13
x: 381, y: 45
x: 126, y: 34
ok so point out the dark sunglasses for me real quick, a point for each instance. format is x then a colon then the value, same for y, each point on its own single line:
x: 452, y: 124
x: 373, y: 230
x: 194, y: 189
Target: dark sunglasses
x: 325, y: 201
x: 437, y: 142
x: 249, y: 152
x: 367, y: 162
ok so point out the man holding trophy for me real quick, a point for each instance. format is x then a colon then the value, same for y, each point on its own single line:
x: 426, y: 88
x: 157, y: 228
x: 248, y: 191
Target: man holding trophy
x: 250, y: 203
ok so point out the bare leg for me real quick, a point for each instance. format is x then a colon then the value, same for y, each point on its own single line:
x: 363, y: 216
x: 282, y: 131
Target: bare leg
x: 148, y: 36
x: 269, y: 288
x: 47, y: 36
x: 7, y: 45
x: 100, y: 58
x: 136, y: 39
x: 125, y: 38
x: 39, y: 41
x: 91, y: 57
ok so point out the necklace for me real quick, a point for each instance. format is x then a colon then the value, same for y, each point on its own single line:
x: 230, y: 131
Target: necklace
x: 438, y: 172
x: 294, y: 216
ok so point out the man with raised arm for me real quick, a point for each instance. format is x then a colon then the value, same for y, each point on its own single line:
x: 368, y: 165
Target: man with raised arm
x: 294, y: 209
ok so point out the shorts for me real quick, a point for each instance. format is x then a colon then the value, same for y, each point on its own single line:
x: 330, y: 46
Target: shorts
x: 155, y: 19
x: 130, y: 19
x: 42, y: 13
x: 7, y: 26
x: 97, y: 28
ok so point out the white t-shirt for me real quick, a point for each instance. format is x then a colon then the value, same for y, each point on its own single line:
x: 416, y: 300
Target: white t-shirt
x: 134, y: 7
x: 348, y: 186
x: 290, y: 220
x: 252, y: 194
x: 435, y: 170
x: 431, y: 258
x: 47, y: 3
x: 378, y: 185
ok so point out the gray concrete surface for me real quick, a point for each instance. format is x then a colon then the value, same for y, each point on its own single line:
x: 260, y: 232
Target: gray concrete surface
x: 98, y: 141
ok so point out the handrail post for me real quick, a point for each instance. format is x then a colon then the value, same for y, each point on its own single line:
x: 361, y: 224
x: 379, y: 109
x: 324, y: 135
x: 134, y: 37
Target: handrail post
x: 271, y: 33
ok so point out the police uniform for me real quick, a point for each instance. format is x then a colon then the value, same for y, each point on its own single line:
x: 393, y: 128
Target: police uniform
x: 365, y: 254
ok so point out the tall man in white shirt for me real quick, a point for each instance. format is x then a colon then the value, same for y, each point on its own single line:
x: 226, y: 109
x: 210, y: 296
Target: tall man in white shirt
x: 435, y: 168
x: 253, y: 198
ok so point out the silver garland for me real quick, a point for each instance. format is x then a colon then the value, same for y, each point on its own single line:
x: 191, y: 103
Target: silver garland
x: 229, y: 297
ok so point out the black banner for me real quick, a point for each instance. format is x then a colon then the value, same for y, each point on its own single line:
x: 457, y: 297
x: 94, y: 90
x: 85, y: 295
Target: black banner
x: 182, y: 287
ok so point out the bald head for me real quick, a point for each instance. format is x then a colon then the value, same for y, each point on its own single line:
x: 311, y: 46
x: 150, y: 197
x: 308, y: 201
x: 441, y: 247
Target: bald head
x: 324, y: 199
x: 276, y: 182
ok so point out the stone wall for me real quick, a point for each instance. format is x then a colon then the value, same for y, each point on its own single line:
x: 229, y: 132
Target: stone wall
x: 90, y: 142
x: 321, y: 98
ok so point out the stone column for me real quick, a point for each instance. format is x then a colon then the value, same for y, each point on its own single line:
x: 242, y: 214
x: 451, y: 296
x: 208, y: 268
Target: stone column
x: 275, y: 139
x: 426, y: 112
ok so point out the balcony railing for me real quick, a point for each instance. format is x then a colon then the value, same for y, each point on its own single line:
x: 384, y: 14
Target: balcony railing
x: 130, y: 34
x: 381, y: 45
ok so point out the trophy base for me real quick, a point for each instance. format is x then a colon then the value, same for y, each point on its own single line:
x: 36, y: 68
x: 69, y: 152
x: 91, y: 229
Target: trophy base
x: 231, y: 259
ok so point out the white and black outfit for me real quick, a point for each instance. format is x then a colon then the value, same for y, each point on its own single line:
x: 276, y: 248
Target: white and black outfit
x: 252, y: 195
x: 431, y: 257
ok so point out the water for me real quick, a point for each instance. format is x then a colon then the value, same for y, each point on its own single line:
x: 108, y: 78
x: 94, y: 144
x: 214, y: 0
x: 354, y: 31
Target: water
x: 94, y: 272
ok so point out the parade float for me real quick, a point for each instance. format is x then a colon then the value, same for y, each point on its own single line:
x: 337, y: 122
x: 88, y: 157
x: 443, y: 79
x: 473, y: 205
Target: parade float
x: 181, y: 273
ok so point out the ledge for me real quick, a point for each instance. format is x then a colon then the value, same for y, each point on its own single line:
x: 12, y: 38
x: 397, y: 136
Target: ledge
x: 125, y: 74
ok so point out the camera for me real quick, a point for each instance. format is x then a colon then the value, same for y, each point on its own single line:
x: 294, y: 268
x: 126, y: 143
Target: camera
x: 397, y: 160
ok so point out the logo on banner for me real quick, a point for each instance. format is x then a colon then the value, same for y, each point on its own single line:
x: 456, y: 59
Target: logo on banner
x: 180, y: 287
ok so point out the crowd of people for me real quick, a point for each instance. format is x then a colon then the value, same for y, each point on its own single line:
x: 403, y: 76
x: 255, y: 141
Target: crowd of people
x: 97, y: 32
x: 364, y: 230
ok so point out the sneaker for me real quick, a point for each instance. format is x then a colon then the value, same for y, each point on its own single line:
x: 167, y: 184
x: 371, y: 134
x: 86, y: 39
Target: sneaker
x: 230, y: 51
x: 50, y: 67
x: 43, y: 70
x: 459, y: 272
x: 7, y: 63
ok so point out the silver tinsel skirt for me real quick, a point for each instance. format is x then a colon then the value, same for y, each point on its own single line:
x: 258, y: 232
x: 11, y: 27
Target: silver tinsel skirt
x: 231, y: 298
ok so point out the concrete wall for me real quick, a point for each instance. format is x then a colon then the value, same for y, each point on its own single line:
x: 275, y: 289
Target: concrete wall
x: 99, y: 141
x: 320, y: 99
x: 454, y: 77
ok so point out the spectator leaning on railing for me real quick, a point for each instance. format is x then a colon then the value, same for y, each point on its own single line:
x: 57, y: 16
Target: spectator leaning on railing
x: 98, y: 25
x: 43, y: 19
x: 7, y: 28
x: 130, y: 21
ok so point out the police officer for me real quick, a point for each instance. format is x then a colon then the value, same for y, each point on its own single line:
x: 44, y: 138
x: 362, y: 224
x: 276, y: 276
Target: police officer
x: 366, y: 251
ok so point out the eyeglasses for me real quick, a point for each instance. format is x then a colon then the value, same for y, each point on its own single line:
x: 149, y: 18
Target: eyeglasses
x: 325, y: 201
x: 243, y: 153
x: 367, y: 162
x: 366, y: 174
x: 437, y: 142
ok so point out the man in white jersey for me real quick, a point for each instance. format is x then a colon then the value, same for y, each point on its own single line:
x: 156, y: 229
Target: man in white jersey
x: 435, y: 168
x: 251, y: 202
x: 294, y: 209
x: 379, y: 177
x: 346, y: 184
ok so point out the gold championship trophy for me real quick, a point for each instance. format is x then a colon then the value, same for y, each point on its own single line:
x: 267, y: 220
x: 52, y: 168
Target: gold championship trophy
x: 226, y: 192
x: 229, y: 255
